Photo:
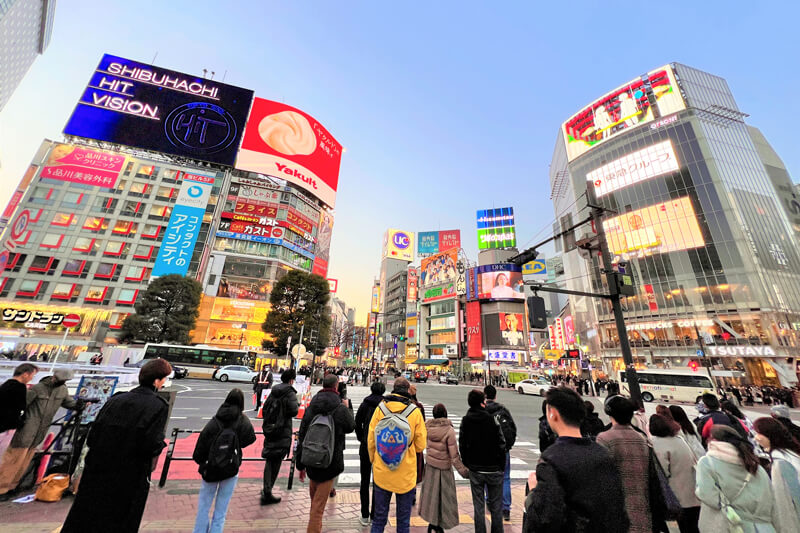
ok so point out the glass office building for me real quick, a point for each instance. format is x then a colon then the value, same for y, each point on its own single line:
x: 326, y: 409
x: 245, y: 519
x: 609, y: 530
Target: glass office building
x: 694, y: 213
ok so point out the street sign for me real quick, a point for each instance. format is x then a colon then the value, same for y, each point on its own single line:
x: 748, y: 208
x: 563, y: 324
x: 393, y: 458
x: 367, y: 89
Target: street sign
x: 537, y: 266
x: 700, y: 353
x: 288, y: 342
x: 298, y: 350
x: 71, y: 320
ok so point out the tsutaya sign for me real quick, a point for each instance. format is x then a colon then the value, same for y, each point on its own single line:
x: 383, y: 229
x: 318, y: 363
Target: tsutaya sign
x: 741, y: 351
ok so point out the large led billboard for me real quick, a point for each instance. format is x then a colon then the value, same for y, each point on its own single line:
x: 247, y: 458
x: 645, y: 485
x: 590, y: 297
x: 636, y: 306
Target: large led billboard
x: 439, y: 268
x: 287, y: 143
x: 398, y: 244
x: 499, y: 282
x: 642, y: 100
x: 433, y: 242
x: 149, y: 107
x: 496, y: 228
x: 653, y: 161
x: 504, y: 329
x: 661, y: 228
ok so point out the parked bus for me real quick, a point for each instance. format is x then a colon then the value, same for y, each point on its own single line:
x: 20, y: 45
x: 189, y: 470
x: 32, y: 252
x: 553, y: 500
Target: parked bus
x: 669, y: 385
x: 199, y: 356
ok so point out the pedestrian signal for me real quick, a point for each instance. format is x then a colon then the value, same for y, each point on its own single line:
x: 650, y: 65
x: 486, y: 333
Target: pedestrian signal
x: 694, y: 365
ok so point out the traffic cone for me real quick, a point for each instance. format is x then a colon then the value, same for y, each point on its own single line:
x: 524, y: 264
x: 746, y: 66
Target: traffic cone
x: 303, y: 404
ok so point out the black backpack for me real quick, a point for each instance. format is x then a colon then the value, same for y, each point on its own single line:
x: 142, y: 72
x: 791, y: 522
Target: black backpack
x: 274, y: 418
x: 224, y: 456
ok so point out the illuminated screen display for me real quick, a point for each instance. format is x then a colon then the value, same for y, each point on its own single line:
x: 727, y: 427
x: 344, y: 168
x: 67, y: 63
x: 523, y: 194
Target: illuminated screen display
x: 624, y: 108
x: 650, y: 162
x: 504, y: 329
x: 499, y: 282
x: 656, y: 229
x: 496, y: 228
x: 439, y: 268
x: 149, y: 107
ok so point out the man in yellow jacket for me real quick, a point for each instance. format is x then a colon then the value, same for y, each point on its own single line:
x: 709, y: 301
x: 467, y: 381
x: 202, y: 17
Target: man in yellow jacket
x: 396, y: 434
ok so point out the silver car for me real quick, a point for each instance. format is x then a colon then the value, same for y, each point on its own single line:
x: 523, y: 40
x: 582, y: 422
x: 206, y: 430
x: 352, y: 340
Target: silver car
x: 236, y: 373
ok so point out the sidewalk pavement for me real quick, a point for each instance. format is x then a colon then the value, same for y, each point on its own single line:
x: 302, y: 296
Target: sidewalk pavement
x: 173, y: 508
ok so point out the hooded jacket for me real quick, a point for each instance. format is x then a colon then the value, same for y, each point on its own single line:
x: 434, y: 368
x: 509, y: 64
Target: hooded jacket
x: 227, y: 415
x: 364, y: 417
x: 326, y: 402
x: 442, y: 452
x: 282, y: 392
x: 43, y: 402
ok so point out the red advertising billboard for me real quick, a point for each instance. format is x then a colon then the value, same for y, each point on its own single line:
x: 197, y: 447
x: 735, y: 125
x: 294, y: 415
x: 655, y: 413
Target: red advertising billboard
x: 253, y: 209
x: 449, y: 239
x: 474, y: 338
x: 287, y: 143
x: 87, y: 167
x: 323, y: 248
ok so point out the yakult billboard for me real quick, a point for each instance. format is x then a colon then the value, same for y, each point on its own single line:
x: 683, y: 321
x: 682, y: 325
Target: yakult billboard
x: 287, y: 143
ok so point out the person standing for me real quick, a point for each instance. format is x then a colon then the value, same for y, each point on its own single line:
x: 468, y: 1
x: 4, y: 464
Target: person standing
x: 263, y: 383
x: 576, y: 486
x: 782, y: 414
x: 784, y: 451
x: 591, y: 426
x: 279, y: 409
x: 43, y: 401
x: 483, y: 452
x: 546, y: 435
x: 363, y: 418
x: 219, y: 466
x: 124, y: 444
x: 688, y: 431
x: 13, y: 399
x: 396, y: 435
x: 328, y: 406
x: 713, y: 416
x: 509, y: 428
x: 631, y: 453
x: 731, y: 485
x: 342, y: 389
x: 678, y: 463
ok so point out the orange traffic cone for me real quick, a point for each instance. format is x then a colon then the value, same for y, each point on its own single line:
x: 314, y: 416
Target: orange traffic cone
x: 303, y: 404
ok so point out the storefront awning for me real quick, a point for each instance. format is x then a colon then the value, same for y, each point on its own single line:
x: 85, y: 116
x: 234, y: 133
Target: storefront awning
x: 430, y: 362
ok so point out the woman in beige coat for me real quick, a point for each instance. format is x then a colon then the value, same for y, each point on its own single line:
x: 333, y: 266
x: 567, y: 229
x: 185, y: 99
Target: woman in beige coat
x: 438, y: 501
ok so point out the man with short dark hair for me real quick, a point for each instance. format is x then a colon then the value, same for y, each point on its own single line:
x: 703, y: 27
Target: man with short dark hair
x: 509, y: 428
x: 124, y: 444
x: 709, y: 406
x: 279, y: 409
x: 576, y: 486
x: 363, y: 418
x: 483, y: 452
x: 12, y: 402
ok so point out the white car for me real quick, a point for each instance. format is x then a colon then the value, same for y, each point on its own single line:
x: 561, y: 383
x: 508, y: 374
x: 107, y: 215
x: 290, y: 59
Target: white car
x: 534, y: 386
x: 236, y: 373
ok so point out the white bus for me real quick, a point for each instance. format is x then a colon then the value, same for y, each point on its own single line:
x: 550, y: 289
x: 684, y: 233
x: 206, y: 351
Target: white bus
x: 669, y: 385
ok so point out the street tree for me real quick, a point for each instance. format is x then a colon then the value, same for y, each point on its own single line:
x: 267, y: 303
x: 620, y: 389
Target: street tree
x: 298, y: 300
x: 165, y: 313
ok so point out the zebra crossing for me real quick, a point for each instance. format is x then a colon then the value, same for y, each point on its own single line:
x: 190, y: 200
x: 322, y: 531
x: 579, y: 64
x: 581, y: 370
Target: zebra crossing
x: 524, y: 455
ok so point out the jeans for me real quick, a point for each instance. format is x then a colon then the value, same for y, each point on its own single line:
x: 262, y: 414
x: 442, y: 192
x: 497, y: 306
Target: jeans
x: 480, y: 482
x: 506, y: 485
x: 222, y: 492
x: 382, y: 499
x: 319, y: 492
x: 367, y: 506
x: 272, y: 467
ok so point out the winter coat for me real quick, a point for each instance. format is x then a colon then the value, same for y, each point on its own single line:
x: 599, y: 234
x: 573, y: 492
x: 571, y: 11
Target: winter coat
x: 578, y: 485
x: 326, y: 402
x: 678, y: 463
x: 592, y: 426
x: 479, y: 440
x: 126, y: 437
x: 364, y: 417
x: 404, y: 477
x: 13, y: 395
x: 693, y: 441
x: 494, y: 408
x: 442, y: 451
x: 546, y: 435
x: 785, y: 475
x: 43, y: 402
x: 706, y: 422
x: 721, y: 470
x: 280, y: 443
x: 631, y: 452
x: 227, y: 416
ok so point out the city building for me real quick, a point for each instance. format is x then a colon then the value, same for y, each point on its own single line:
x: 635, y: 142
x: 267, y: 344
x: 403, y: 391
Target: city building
x: 395, y: 313
x: 694, y: 214
x: 25, y: 30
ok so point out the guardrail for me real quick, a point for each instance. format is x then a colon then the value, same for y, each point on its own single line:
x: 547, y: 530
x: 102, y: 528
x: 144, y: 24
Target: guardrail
x: 171, y: 456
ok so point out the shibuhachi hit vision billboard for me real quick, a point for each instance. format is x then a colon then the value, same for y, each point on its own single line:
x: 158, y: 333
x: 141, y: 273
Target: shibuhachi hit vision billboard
x: 642, y: 100
x: 153, y: 108
x: 287, y: 143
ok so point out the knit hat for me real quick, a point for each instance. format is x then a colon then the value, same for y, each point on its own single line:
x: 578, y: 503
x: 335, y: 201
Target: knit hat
x: 63, y: 374
x: 781, y: 411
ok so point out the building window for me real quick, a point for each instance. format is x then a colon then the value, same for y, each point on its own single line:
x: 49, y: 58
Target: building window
x: 131, y: 209
x: 96, y: 293
x: 5, y: 286
x: 96, y: 224
x: 127, y: 296
x: 41, y: 195
x: 114, y: 248
x: 15, y: 262
x: 136, y: 273
x: 51, y: 241
x: 118, y: 188
x: 43, y: 263
x: 104, y: 204
x: 160, y: 211
x: 124, y: 227
x: 106, y: 270
x: 86, y: 245
x: 63, y: 219
x: 72, y: 199
x: 145, y: 171
x: 143, y: 252
x: 74, y: 267
x: 151, y: 231
x: 166, y: 193
x: 30, y: 288
x: 140, y: 189
x: 171, y: 176
x: 65, y: 291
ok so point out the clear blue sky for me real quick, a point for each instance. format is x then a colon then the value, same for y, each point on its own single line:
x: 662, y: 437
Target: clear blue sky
x: 444, y: 107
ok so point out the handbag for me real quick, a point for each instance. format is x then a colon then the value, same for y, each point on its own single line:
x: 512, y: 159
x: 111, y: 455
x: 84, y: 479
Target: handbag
x: 664, y: 503
x: 52, y: 488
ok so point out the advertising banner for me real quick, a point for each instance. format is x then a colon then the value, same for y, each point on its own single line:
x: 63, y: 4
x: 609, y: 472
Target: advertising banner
x: 499, y: 282
x: 95, y: 388
x: 433, y: 242
x: 439, y: 293
x: 18, y: 194
x: 323, y: 247
x: 439, y: 268
x: 651, y: 297
x: 656, y: 229
x: 474, y: 332
x: 257, y: 195
x: 87, y: 167
x: 398, y: 244
x: 412, y: 285
x: 287, y: 143
x: 255, y: 209
x: 248, y: 228
x: 537, y: 267
x: 149, y: 107
x: 496, y: 228
x: 243, y: 288
x: 650, y: 162
x: 642, y: 100
x: 184, y: 225
x: 495, y: 218
x: 504, y: 329
x: 375, y: 306
x: 506, y: 356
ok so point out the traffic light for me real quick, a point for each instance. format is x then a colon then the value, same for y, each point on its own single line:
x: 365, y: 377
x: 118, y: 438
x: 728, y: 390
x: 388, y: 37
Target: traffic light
x: 573, y: 353
x: 694, y: 365
x: 537, y: 315
x: 402, y: 337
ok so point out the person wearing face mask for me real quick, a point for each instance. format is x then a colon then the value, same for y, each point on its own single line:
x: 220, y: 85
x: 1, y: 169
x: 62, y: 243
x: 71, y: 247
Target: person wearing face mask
x: 42, y: 403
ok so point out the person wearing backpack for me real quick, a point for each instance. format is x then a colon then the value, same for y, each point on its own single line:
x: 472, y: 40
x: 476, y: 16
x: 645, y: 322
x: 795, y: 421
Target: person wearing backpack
x: 320, y: 454
x: 509, y: 428
x: 219, y: 453
x: 279, y: 410
x: 396, y: 435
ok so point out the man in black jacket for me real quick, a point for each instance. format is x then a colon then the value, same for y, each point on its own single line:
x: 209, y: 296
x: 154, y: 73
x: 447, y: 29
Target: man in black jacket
x: 325, y: 402
x: 483, y: 452
x: 13, y: 395
x: 509, y: 428
x: 363, y: 418
x: 577, y: 486
x: 279, y: 410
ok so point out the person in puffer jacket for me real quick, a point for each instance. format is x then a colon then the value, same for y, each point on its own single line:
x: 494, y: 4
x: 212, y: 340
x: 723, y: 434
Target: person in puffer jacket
x: 438, y: 502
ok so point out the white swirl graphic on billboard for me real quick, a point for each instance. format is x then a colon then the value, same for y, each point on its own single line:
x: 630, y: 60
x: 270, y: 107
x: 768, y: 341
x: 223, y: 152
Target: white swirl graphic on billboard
x: 288, y: 132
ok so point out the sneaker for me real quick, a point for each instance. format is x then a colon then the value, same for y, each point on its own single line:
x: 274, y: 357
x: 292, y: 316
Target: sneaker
x: 269, y: 499
x: 364, y: 521
x: 507, y: 516
x: 333, y: 493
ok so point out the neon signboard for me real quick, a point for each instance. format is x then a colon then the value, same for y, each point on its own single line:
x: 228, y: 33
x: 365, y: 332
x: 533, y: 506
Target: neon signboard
x: 641, y: 165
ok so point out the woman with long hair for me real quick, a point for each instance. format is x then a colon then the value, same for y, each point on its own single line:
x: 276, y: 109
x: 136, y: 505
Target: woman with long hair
x: 220, y: 480
x: 734, y: 491
x: 784, y: 451
x: 688, y: 431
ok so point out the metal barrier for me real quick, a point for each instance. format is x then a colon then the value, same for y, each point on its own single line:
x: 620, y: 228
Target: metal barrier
x: 171, y: 457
